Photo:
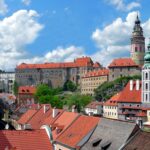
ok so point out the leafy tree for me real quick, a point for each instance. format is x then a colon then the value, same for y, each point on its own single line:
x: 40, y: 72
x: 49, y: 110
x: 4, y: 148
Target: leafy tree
x: 45, y: 95
x: 108, y: 89
x: 15, y: 88
x: 80, y: 101
x: 70, y: 86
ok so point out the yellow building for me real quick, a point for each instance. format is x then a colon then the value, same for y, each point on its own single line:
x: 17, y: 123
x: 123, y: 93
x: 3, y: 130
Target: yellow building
x: 148, y: 115
x: 91, y: 80
x: 110, y: 107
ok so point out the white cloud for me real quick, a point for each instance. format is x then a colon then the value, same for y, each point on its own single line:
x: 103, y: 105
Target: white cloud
x: 113, y: 41
x: 26, y: 2
x: 16, y: 32
x: 121, y: 5
x: 59, y: 54
x: 3, y: 7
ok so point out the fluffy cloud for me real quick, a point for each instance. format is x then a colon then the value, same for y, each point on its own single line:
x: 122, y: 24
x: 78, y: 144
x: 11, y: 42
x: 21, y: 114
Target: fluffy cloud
x: 3, y: 7
x: 16, y: 32
x: 121, y: 5
x: 26, y: 2
x: 113, y: 40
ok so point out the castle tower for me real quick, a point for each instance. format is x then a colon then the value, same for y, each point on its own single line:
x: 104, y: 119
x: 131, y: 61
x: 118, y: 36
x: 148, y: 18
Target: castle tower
x: 146, y: 77
x: 137, y: 43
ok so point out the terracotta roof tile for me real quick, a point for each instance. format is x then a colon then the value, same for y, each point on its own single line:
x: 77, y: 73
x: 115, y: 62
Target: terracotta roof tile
x: 122, y: 62
x: 95, y: 73
x: 128, y: 95
x: 113, y: 101
x: 24, y: 140
x: 79, y: 62
x: 94, y: 104
x: 27, y: 89
x: 78, y: 130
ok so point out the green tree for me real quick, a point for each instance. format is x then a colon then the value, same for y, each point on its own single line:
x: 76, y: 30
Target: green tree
x: 108, y: 89
x: 69, y: 86
x: 15, y: 88
x: 80, y: 101
x: 46, y: 95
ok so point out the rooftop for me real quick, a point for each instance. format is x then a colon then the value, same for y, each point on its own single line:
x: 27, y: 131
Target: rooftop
x: 94, y: 104
x: 123, y: 62
x: 27, y: 90
x: 82, y: 126
x: 24, y: 140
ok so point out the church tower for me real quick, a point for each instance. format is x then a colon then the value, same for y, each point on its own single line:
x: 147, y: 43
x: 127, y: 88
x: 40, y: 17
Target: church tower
x: 146, y: 77
x: 137, y: 43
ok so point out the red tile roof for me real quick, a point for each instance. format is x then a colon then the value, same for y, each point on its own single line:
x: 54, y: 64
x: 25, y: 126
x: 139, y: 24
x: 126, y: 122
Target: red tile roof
x: 96, y: 73
x: 63, y: 122
x: 24, y: 140
x: 94, y: 104
x: 36, y: 117
x: 123, y: 62
x: 27, y: 89
x: 128, y: 96
x: 96, y: 65
x: 113, y: 101
x: 78, y: 130
x: 79, y: 62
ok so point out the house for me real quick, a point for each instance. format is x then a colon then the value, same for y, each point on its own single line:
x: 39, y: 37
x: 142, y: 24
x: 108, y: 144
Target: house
x: 91, y: 80
x: 26, y: 94
x: 24, y: 140
x: 110, y: 107
x: 123, y: 67
x: 110, y: 135
x: 77, y: 133
x: 94, y: 108
x: 141, y: 141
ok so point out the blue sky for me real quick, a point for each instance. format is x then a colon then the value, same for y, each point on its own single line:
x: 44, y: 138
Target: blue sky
x: 37, y: 31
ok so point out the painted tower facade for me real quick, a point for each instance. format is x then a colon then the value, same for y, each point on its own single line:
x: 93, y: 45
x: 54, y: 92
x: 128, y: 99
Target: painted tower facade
x: 137, y: 43
x: 146, y: 77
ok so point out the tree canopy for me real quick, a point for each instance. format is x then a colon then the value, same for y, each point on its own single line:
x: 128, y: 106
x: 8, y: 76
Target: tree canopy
x: 69, y: 86
x: 108, y: 89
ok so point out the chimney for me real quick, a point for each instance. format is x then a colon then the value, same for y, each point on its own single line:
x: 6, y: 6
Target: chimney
x: 55, y: 112
x: 137, y: 85
x: 44, y: 107
x: 131, y: 85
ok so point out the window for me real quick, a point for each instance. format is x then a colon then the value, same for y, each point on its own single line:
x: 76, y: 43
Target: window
x: 136, y: 49
x: 140, y: 48
x: 146, y: 97
x: 146, y: 75
x: 146, y: 86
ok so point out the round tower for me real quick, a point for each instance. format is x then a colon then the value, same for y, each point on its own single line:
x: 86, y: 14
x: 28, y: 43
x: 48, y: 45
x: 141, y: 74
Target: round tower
x: 137, y: 43
x: 146, y: 77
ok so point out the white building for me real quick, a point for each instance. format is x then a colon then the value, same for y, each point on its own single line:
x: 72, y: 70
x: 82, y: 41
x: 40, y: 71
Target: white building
x: 6, y: 81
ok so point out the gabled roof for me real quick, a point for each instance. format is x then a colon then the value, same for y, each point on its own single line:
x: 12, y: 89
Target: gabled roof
x: 79, y: 62
x: 27, y: 90
x: 94, y: 104
x: 140, y: 141
x: 96, y: 73
x: 78, y: 130
x: 133, y: 96
x: 113, y: 133
x: 37, y: 117
x: 24, y: 140
x: 123, y: 62
x: 96, y: 65
x: 62, y: 122
x: 113, y: 101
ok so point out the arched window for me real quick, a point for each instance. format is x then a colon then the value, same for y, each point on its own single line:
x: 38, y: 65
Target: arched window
x: 146, y: 75
x: 146, y: 86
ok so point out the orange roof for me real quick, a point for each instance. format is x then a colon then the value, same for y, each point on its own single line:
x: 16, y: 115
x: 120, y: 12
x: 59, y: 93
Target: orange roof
x: 78, y: 130
x: 94, y: 104
x: 95, y: 73
x: 123, y: 62
x: 63, y: 122
x: 96, y: 65
x: 113, y: 101
x: 24, y: 140
x: 133, y: 96
x: 27, y: 89
x: 141, y: 114
x: 79, y: 62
